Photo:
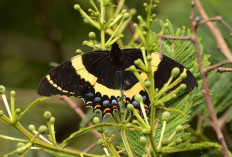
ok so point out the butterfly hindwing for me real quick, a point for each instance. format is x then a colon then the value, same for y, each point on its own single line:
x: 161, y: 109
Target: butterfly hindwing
x: 163, y: 73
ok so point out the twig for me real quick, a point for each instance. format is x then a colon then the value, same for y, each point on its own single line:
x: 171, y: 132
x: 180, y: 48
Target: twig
x: 215, y: 31
x: 77, y: 109
x: 218, y: 19
x: 206, y: 94
x: 215, y: 66
x: 90, y: 147
x: 221, y: 70
x: 161, y: 37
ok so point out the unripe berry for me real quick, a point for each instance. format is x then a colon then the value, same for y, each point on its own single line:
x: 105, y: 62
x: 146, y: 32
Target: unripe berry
x: 143, y: 139
x: 43, y: 129
x: 138, y: 98
x: 96, y: 120
x: 47, y: 115
x: 147, y: 84
x: 77, y: 7
x: 175, y: 72
x: 130, y: 107
x: 166, y: 116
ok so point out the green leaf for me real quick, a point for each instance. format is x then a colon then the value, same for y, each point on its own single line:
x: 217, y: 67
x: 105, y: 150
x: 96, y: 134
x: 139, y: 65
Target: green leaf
x: 186, y: 146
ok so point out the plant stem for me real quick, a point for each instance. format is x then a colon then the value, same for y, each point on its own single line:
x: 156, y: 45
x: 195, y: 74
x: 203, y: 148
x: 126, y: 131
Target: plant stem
x: 126, y: 143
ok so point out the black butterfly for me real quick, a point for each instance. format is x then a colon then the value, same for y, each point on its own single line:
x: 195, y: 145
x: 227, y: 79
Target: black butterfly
x: 98, y: 76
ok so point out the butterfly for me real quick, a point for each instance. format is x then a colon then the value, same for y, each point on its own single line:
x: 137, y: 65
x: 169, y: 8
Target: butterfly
x: 98, y: 78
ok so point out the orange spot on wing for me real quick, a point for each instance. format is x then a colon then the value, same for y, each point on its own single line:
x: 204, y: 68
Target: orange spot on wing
x: 115, y: 107
x: 107, y: 109
x: 137, y: 110
x: 97, y: 106
x: 89, y: 102
x: 145, y: 105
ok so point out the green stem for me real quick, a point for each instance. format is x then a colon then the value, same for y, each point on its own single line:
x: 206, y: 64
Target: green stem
x: 162, y: 135
x: 52, y: 133
x: 126, y: 143
x: 30, y: 106
x: 102, y: 24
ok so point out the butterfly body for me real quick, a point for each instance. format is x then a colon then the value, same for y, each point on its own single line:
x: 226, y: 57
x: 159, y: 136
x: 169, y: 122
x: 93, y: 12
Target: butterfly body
x: 98, y: 77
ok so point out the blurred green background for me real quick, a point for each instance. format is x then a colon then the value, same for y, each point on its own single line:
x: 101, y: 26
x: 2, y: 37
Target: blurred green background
x: 34, y: 33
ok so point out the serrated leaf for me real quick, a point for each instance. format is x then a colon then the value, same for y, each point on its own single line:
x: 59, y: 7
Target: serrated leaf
x: 191, y: 146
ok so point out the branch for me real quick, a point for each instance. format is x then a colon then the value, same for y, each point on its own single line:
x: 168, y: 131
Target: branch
x: 215, y: 31
x: 206, y: 93
x: 215, y: 66
x: 217, y: 19
x: 77, y: 109
x: 221, y: 70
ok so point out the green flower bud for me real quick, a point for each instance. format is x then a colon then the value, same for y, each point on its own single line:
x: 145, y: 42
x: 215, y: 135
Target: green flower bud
x: 145, y: 4
x: 147, y: 84
x: 20, y: 150
x: 1, y: 113
x: 166, y: 25
x: 77, y: 7
x: 132, y: 11
x: 182, y: 86
x: 18, y: 111
x: 159, y: 103
x: 138, y: 62
x: 166, y: 116
x: 130, y: 107
x: 132, y: 68
x: 100, y: 142
x: 165, y: 142
x: 20, y: 145
x: 149, y: 58
x: 145, y: 131
x: 126, y: 16
x: 96, y: 120
x: 101, y: 130
x: 123, y: 11
x: 85, y: 43
x: 138, y: 98
x: 135, y: 122
x: 86, y: 21
x: 12, y: 93
x: 78, y: 51
x: 175, y: 72
x: 92, y: 35
x: 135, y: 25
x: 174, y: 96
x: 2, y: 89
x: 143, y: 139
x: 179, y: 128
x: 47, y: 115
x: 52, y: 120
x: 97, y: 111
x: 139, y: 17
x: 31, y: 127
x: 129, y: 125
x: 144, y: 33
x: 43, y: 129
x: 183, y: 75
x: 121, y: 36
x: 178, y: 141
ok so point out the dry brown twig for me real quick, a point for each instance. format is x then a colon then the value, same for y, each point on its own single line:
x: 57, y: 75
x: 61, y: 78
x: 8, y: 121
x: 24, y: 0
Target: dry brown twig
x: 79, y: 111
x: 224, y: 49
